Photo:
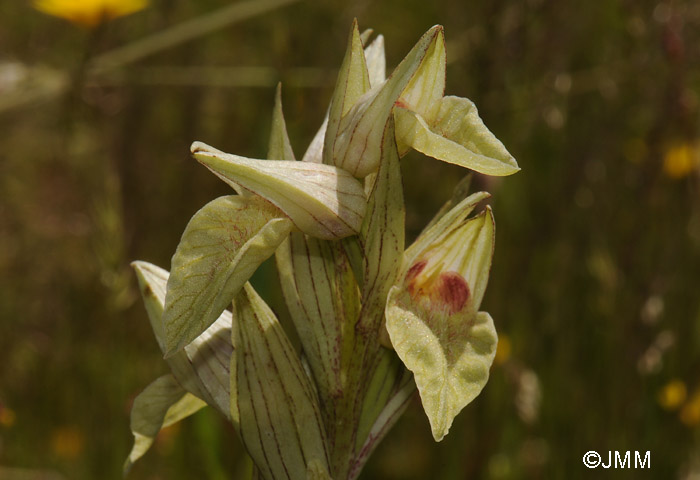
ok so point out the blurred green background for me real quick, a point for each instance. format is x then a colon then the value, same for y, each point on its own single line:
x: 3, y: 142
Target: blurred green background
x: 595, y: 283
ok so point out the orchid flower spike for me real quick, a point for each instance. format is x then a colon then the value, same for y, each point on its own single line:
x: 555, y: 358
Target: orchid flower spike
x: 315, y: 407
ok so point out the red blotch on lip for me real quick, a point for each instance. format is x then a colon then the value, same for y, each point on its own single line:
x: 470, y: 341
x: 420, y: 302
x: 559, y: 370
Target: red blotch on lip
x: 452, y: 290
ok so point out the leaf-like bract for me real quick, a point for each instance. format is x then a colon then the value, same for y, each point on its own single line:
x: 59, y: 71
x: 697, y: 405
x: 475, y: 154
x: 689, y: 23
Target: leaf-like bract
x: 314, y: 153
x: 323, y: 299
x: 389, y: 391
x: 222, y: 246
x: 279, y: 146
x: 376, y: 70
x: 353, y: 81
x: 276, y: 405
x: 163, y: 403
x: 202, y: 367
x: 382, y: 234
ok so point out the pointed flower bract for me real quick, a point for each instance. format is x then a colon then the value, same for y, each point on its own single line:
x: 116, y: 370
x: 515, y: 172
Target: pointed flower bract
x: 163, y: 403
x: 200, y: 372
x: 202, y: 367
x: 276, y: 406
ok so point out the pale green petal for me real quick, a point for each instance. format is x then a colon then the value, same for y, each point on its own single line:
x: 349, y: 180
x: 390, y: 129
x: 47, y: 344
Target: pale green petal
x: 427, y: 85
x: 450, y: 356
x: 477, y: 236
x: 447, y: 223
x: 163, y: 403
x: 376, y: 61
x: 222, y: 246
x: 357, y: 148
x: 280, y: 421
x: 454, y: 133
x: 323, y: 201
x: 279, y: 147
x: 394, y: 407
x: 352, y: 83
x: 382, y: 234
x: 202, y: 367
x: 322, y: 295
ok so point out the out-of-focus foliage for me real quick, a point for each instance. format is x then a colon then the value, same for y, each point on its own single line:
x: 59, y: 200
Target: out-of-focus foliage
x: 596, y: 270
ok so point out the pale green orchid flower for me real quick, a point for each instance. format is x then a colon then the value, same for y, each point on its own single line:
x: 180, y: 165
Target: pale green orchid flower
x: 432, y: 313
x: 359, y: 111
x: 446, y: 128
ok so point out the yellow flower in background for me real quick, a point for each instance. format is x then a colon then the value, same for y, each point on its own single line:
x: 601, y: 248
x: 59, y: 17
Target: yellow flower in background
x: 690, y: 413
x: 672, y: 395
x: 502, y: 350
x: 89, y: 13
x: 680, y: 160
